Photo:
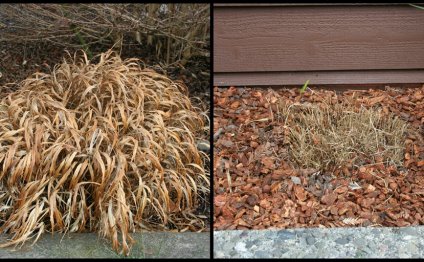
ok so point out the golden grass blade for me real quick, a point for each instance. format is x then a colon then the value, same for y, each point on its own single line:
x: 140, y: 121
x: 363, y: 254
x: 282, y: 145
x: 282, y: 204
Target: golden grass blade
x: 107, y: 147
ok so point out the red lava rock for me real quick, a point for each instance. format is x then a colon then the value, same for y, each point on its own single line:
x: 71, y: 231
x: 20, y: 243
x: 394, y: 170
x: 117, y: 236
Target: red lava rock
x: 266, y: 189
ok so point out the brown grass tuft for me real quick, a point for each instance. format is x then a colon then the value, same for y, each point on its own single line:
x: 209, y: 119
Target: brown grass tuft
x: 106, y: 147
x: 325, y: 136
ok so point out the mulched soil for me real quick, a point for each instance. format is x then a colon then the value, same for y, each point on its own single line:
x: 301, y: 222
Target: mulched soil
x: 255, y: 189
x: 20, y: 60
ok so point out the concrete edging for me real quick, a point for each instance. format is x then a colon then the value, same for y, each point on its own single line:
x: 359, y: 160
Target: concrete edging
x: 90, y: 245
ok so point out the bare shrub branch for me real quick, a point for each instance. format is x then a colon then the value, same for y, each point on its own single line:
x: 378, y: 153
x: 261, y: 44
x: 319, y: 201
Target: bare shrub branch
x: 176, y: 31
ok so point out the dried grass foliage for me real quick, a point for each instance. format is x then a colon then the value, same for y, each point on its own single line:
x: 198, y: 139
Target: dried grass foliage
x: 329, y: 135
x: 106, y: 147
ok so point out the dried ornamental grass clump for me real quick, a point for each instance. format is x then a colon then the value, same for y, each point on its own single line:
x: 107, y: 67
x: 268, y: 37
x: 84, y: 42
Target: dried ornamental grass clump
x: 106, y: 147
x: 326, y: 136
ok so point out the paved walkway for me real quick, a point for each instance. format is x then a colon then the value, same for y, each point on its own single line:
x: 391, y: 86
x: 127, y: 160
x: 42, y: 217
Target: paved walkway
x: 407, y: 242
x: 89, y: 245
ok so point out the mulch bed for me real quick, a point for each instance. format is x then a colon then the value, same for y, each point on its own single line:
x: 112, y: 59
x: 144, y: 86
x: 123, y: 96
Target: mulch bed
x: 255, y: 189
x: 20, y: 60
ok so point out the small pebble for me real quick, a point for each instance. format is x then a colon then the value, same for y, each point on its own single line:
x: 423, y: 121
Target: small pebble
x: 203, y: 146
x: 342, y: 241
x: 231, y: 128
x: 310, y: 240
x: 296, y: 180
x: 218, y: 133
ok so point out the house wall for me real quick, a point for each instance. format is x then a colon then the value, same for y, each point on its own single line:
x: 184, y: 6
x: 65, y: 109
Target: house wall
x: 328, y: 44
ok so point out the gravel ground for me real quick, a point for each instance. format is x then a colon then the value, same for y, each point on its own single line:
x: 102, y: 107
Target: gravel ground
x: 90, y: 245
x: 387, y: 242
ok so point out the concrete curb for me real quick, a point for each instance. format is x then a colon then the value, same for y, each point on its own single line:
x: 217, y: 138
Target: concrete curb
x: 90, y: 245
x: 365, y: 242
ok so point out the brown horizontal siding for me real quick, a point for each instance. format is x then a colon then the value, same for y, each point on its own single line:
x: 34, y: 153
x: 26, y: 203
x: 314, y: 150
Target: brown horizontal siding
x: 300, y: 4
x: 364, y: 43
x: 319, y: 77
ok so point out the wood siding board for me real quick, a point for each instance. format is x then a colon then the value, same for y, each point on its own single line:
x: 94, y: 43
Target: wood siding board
x: 319, y: 77
x: 217, y: 5
x: 317, y: 38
